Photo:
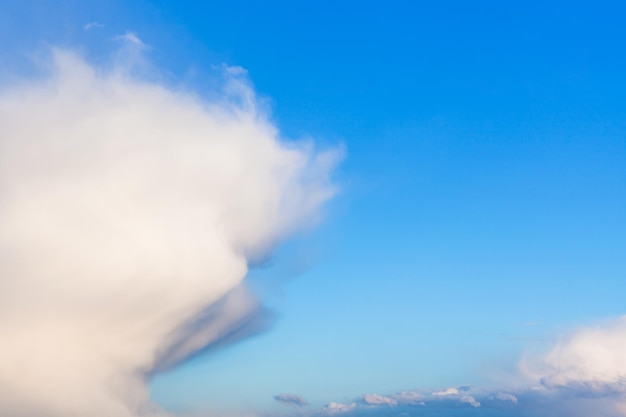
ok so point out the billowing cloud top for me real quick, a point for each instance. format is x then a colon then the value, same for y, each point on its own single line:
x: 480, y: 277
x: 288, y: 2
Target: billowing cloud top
x: 592, y: 358
x: 126, y: 209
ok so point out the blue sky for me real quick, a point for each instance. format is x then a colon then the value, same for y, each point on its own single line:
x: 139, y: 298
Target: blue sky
x: 483, y: 190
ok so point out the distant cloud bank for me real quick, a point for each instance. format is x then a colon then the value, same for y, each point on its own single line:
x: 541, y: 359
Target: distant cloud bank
x: 581, y: 375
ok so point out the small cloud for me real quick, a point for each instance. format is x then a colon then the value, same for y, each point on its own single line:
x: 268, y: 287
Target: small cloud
x: 375, y: 399
x: 468, y: 399
x: 447, y: 392
x: 131, y: 38
x: 507, y: 397
x: 93, y: 25
x: 235, y: 70
x: 291, y: 399
x: 338, y: 408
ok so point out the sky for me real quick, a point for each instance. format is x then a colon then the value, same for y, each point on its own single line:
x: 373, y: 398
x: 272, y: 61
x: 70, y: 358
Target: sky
x: 446, y: 234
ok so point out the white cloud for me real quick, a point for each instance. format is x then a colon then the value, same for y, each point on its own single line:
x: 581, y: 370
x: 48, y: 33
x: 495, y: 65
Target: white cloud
x: 93, y: 25
x: 506, y: 397
x: 338, y: 408
x: 446, y: 392
x: 592, y: 357
x: 375, y: 399
x: 127, y: 208
x: 468, y: 399
x: 131, y: 38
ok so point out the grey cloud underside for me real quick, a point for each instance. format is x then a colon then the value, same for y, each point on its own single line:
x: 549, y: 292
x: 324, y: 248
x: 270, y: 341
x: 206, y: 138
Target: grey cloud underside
x: 291, y: 399
x: 207, y: 332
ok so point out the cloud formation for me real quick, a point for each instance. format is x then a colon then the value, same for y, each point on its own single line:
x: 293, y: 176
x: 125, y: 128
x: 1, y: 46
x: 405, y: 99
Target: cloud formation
x: 129, y: 212
x: 593, y: 358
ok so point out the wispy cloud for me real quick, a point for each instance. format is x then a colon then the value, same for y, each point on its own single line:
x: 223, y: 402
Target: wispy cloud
x: 338, y: 408
x: 468, y: 399
x: 375, y: 399
x: 506, y: 397
x: 447, y: 392
x: 291, y: 399
x: 93, y: 25
x: 131, y: 38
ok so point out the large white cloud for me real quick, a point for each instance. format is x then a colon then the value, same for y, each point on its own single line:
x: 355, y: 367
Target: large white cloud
x: 127, y: 208
x: 592, y: 358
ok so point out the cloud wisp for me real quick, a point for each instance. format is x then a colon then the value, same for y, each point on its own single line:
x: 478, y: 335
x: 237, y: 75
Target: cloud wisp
x: 129, y: 212
x: 291, y: 399
x: 131, y: 38
x: 93, y: 25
